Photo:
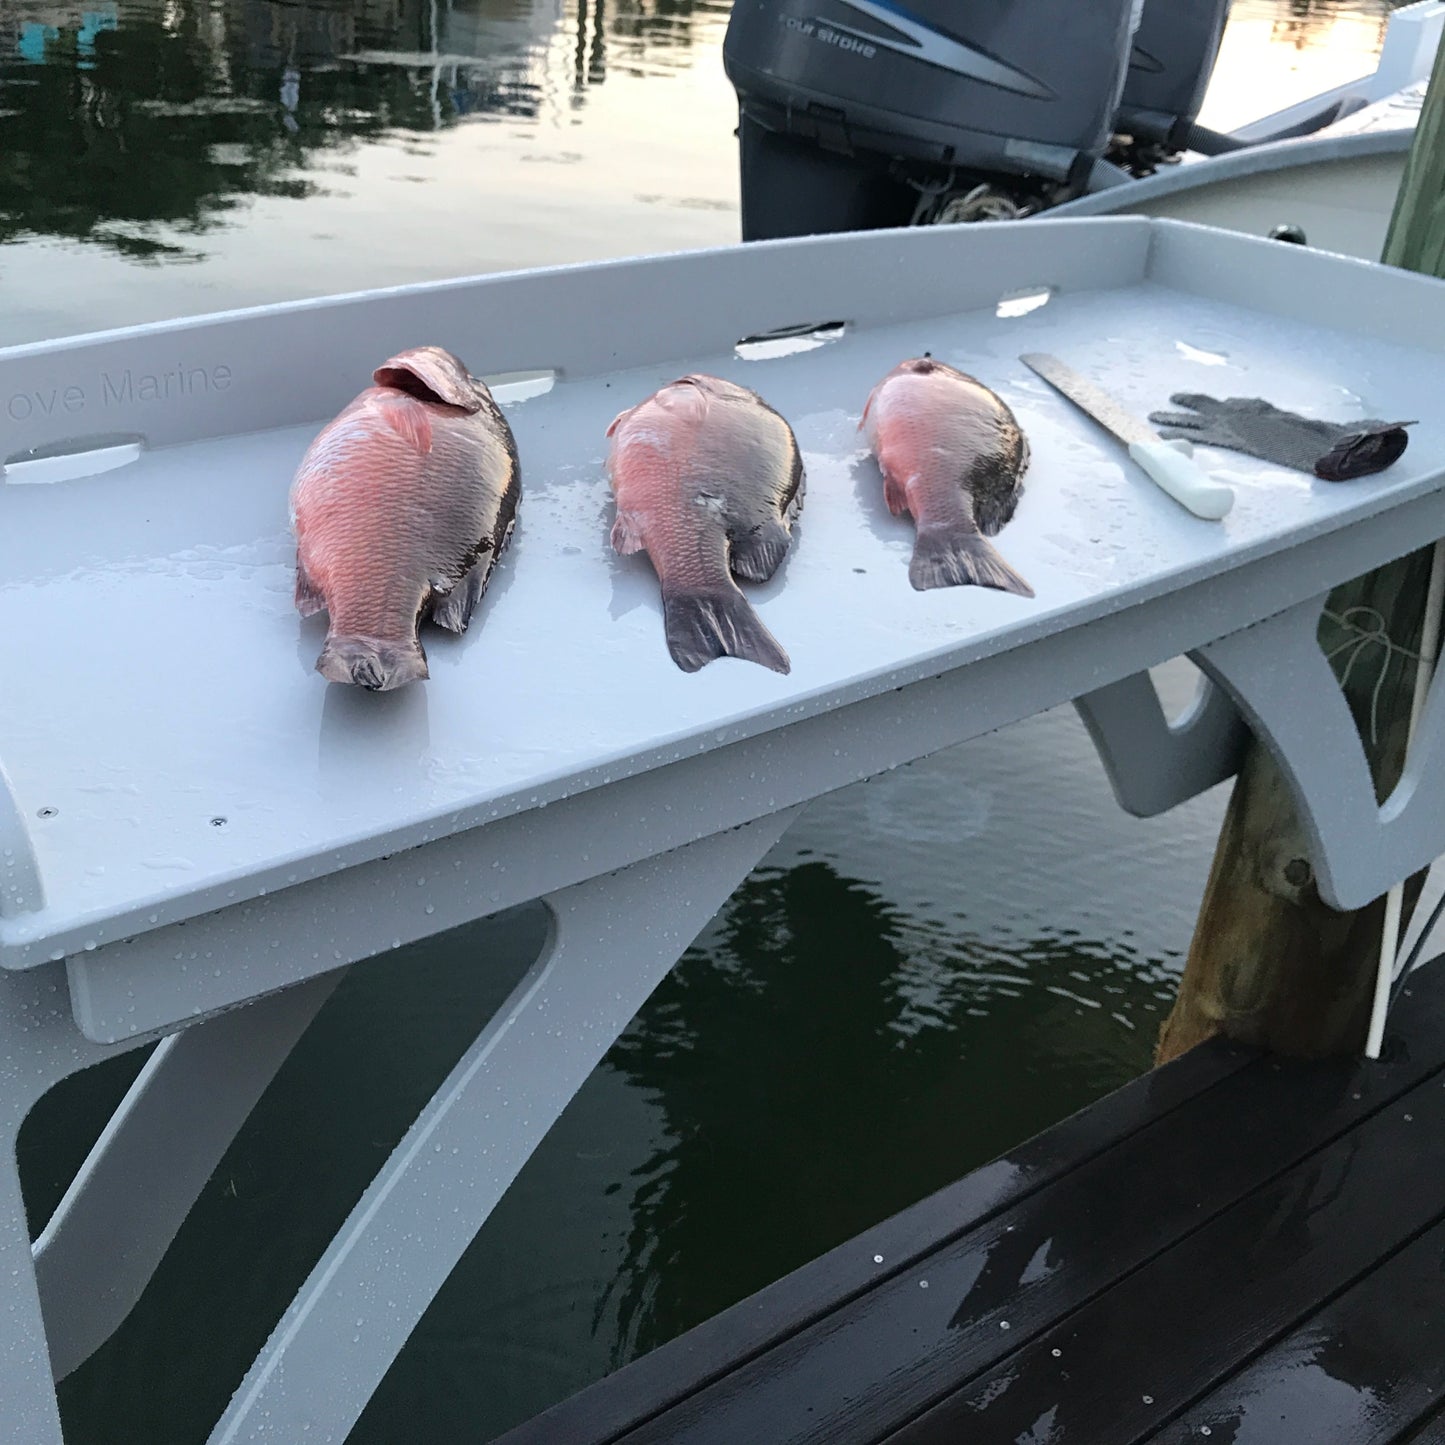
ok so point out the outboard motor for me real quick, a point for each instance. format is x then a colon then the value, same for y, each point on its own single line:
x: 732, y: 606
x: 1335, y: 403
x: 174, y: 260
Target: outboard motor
x: 857, y: 114
x: 863, y: 113
x: 1170, y: 66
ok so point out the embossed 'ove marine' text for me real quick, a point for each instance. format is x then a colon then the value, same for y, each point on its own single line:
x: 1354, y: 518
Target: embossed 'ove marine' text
x: 118, y: 388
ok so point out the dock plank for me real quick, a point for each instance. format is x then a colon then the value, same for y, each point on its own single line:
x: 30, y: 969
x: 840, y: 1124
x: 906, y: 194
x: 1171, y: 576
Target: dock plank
x: 1427, y: 1432
x: 1165, y: 1334
x: 1366, y: 1368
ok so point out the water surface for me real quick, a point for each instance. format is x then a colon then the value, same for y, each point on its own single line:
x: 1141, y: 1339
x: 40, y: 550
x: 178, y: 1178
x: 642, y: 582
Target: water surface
x: 165, y: 159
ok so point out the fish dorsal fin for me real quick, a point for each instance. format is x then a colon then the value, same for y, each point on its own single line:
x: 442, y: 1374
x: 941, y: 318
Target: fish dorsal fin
x: 430, y: 373
x: 716, y: 386
x: 685, y: 399
x: 407, y: 418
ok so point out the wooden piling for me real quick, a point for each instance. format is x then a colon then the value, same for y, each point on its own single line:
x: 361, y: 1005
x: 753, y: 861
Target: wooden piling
x: 1416, y: 238
x: 1270, y: 963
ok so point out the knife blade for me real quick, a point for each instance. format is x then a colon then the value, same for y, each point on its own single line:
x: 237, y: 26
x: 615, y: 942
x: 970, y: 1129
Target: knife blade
x: 1171, y: 465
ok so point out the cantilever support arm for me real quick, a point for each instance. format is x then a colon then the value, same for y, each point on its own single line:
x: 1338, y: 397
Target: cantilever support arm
x: 73, y: 1287
x: 613, y: 940
x: 122, y: 1210
x: 39, y: 1046
x: 1286, y: 689
x: 1153, y: 764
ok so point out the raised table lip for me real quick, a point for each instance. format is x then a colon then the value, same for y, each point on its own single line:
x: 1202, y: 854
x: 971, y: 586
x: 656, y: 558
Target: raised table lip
x: 1123, y: 226
x: 24, y: 937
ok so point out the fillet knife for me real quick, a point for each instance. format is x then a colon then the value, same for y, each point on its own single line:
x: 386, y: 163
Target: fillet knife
x: 1171, y: 464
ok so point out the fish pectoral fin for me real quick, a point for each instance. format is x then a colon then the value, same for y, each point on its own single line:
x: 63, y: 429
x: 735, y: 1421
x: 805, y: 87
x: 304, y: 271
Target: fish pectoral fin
x: 895, y: 493
x: 309, y: 598
x: 758, y: 554
x: 794, y: 505
x: 453, y: 609
x: 408, y: 419
x: 993, y: 509
x: 627, y: 533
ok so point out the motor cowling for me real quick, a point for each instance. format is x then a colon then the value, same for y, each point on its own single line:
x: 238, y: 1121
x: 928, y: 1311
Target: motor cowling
x: 1022, y: 87
x: 1170, y: 64
x: 855, y: 114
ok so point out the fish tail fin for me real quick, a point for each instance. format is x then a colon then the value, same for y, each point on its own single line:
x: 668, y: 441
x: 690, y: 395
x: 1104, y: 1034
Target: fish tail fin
x: 702, y: 626
x: 956, y: 556
x: 372, y: 663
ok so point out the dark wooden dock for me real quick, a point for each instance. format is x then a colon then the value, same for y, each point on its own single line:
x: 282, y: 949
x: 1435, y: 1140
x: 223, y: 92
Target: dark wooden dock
x: 1232, y: 1248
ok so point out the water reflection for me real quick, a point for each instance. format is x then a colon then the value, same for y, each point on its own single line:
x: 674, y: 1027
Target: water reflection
x: 121, y: 117
x: 859, y: 1053
x: 1278, y: 52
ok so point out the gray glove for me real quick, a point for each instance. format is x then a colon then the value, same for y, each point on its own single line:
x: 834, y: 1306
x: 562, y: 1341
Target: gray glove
x: 1251, y: 424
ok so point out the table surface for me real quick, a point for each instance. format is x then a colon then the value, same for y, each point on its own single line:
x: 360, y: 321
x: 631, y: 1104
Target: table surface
x: 158, y: 677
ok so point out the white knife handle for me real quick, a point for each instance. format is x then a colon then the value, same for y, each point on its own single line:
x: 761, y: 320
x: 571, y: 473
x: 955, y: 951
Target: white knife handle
x: 1172, y: 466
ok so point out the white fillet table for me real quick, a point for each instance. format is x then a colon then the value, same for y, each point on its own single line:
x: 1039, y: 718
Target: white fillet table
x: 198, y: 835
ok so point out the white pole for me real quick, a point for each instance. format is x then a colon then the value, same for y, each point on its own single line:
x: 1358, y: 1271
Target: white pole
x: 1394, y: 900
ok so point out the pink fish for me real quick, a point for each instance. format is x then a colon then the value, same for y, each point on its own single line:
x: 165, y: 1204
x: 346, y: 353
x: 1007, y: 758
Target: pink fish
x: 708, y: 480
x: 952, y: 455
x: 401, y: 507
